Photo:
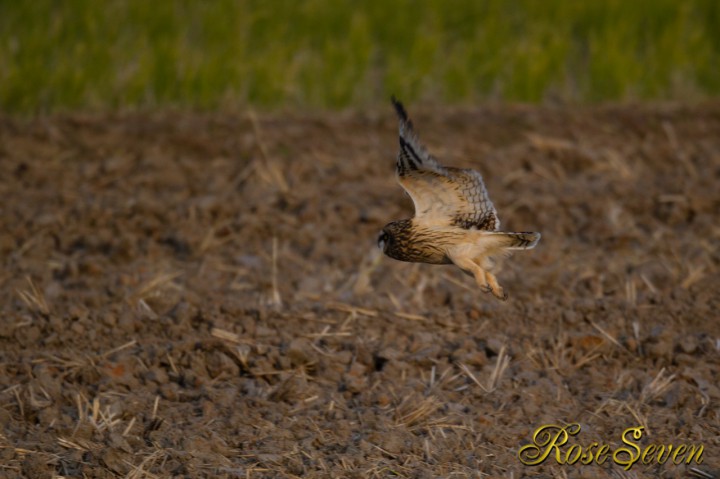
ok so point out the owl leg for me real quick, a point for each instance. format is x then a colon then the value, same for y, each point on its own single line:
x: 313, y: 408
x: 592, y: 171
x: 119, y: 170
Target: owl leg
x: 472, y: 268
x: 496, y: 289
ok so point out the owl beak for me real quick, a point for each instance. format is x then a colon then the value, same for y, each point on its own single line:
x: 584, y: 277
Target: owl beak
x: 381, y: 241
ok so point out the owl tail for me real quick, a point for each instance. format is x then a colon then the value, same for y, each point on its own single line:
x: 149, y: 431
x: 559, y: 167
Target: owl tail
x: 513, y: 241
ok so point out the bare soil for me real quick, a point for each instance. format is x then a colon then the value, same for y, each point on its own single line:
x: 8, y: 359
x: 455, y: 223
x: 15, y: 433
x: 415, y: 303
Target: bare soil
x: 200, y: 295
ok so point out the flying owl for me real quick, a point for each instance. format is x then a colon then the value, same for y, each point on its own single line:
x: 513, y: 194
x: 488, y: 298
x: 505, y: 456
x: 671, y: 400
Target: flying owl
x: 455, y: 222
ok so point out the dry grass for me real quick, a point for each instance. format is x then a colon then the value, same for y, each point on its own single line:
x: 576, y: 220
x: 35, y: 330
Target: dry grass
x: 33, y: 298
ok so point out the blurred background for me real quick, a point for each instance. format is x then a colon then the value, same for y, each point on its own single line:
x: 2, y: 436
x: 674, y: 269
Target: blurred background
x: 334, y: 54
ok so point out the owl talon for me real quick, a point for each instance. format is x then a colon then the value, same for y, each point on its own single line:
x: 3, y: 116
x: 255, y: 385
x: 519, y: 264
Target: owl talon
x: 501, y: 295
x: 486, y: 289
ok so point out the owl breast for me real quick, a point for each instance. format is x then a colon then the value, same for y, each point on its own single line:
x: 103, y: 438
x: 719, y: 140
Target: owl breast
x: 420, y: 245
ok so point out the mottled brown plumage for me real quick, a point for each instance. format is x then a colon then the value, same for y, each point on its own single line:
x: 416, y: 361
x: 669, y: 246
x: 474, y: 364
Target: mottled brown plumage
x: 455, y: 221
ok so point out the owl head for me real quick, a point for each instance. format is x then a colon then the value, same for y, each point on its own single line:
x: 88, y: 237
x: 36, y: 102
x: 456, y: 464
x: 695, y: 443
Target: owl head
x: 393, y: 236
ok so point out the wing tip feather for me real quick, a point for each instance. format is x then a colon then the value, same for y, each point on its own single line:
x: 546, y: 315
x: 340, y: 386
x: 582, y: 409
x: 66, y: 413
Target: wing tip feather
x: 401, y: 113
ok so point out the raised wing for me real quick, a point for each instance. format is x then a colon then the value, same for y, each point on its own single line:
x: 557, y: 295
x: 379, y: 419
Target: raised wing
x: 442, y: 196
x: 412, y: 156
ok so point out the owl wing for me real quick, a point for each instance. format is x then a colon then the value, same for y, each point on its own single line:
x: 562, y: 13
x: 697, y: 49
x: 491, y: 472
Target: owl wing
x: 442, y: 196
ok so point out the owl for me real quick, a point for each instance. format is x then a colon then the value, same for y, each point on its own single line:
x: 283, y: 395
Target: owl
x: 455, y: 222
